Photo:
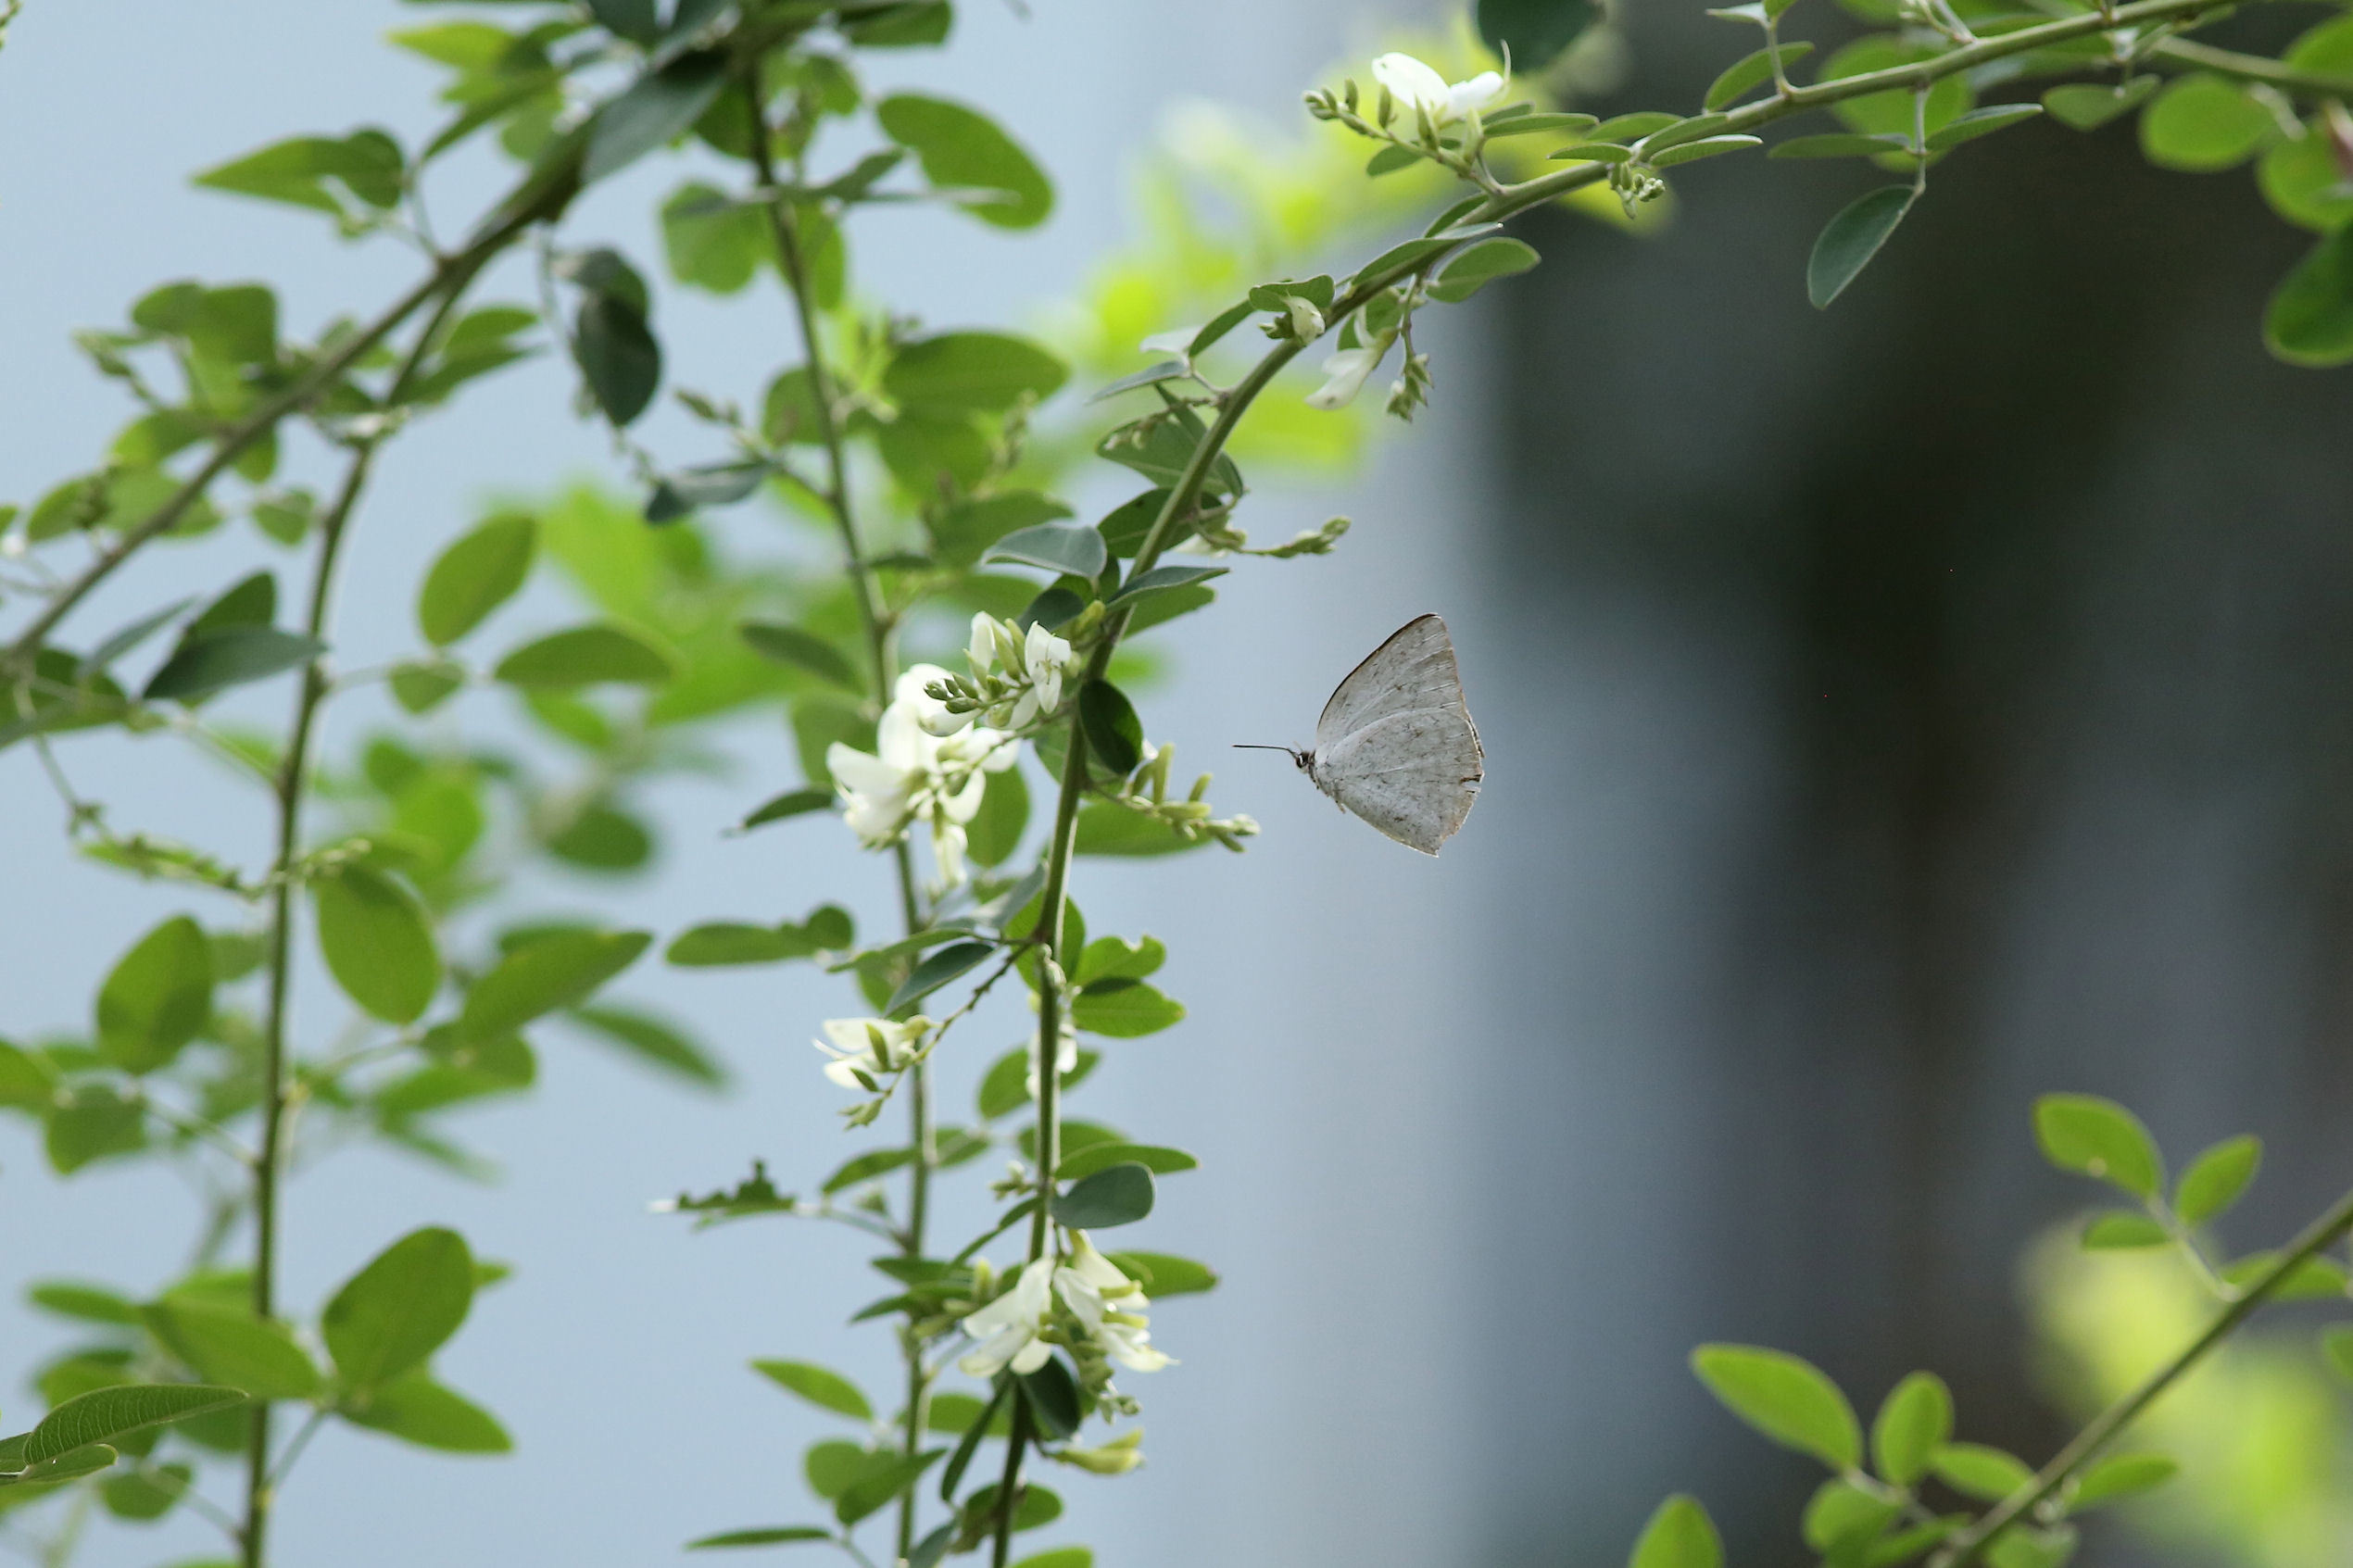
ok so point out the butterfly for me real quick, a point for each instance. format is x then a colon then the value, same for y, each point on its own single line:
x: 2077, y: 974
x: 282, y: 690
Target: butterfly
x: 1396, y: 746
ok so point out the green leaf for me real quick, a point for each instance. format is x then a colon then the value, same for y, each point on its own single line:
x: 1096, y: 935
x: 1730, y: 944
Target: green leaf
x: 2217, y: 1178
x: 650, y: 1041
x: 1119, y: 1195
x: 712, y: 485
x: 367, y: 163
x: 420, y: 687
x: 773, y: 1535
x: 936, y: 970
x: 417, y: 1410
x: 1479, y: 265
x: 882, y: 1484
x: 1066, y: 548
x: 1976, y: 1471
x: 1114, y: 734
x: 1110, y: 958
x: 996, y: 830
x: 475, y: 575
x: 1913, y: 1423
x: 2309, y: 321
x: 26, y: 1080
x: 1787, y: 1399
x: 1982, y: 122
x: 391, y: 1314
x: 1752, y: 70
x: 557, y: 971
x: 156, y: 998
x: 1679, y: 1535
x: 91, y: 1124
x: 378, y: 942
x: 1536, y: 32
x: 956, y: 373
x: 589, y: 655
x: 214, y: 661
x: 1108, y: 829
x: 634, y: 19
x: 2203, y: 124
x: 1164, y: 1275
x: 1051, y: 1395
x: 2315, y: 1279
x: 104, y: 1414
x: 725, y: 943
x: 2336, y: 1346
x: 143, y: 1494
x: 89, y: 1303
x: 792, y: 803
x: 2119, y: 1476
x: 964, y: 150
x: 826, y: 1390
x: 963, y: 530
x: 2080, y: 105
x: 1848, y: 242
x: 2122, y: 1229
x: 1160, y: 446
x: 1162, y: 580
x: 1102, y: 1156
x: 1839, y: 143
x: 659, y: 107
x: 230, y: 1346
x: 1706, y: 147
x: 253, y: 601
x: 1060, y: 1556
x: 1841, y: 1516
x: 1124, y: 1009
x: 619, y: 357
x: 801, y: 651
x: 2098, y: 1138
x: 604, y: 838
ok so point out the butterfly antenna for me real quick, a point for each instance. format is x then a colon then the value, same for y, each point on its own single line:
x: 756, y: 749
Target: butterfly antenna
x: 1245, y: 746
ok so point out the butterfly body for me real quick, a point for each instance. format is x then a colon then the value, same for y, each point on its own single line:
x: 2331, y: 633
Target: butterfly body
x: 1396, y: 745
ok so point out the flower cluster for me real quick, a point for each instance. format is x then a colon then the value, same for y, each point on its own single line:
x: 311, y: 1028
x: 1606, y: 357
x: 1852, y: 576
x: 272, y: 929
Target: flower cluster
x: 866, y: 1051
x: 923, y: 768
x: 1016, y: 679
x: 1102, y: 1311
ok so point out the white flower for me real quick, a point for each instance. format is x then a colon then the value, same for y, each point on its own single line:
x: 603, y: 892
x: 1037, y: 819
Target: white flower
x: 1025, y: 672
x: 913, y: 774
x: 1345, y: 374
x: 866, y: 1049
x: 1416, y: 86
x: 1109, y: 1305
x: 1009, y: 1327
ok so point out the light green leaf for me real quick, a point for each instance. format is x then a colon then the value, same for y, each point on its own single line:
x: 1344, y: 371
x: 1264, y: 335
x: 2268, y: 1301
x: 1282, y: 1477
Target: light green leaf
x: 2203, y: 124
x: 367, y: 163
x: 1481, y: 265
x: 826, y: 1390
x: 229, y: 1346
x: 1839, y: 143
x: 955, y: 373
x: 1982, y: 122
x: 2122, y: 1230
x: 1124, y: 1009
x: 391, y: 1314
x: 417, y: 1410
x: 1788, y: 1399
x: 92, y: 1124
x: 1164, y: 1275
x: 1102, y: 1156
x: 104, y: 1414
x: 1913, y: 1423
x: 1849, y: 241
x: 2309, y: 321
x: 1109, y: 958
x: 2217, y: 1178
x: 589, y: 655
x: 378, y: 942
x: 556, y: 971
x: 2081, y: 106
x: 156, y: 997
x: 964, y: 150
x: 1679, y: 1535
x: 1060, y: 1556
x: 2119, y: 1476
x: 2098, y: 1138
x: 1975, y: 1470
x: 2336, y: 1346
x: 882, y: 1484
x: 475, y: 575
x: 803, y: 651
x: 1843, y: 1515
x: 792, y: 803
x: 89, y: 1303
x: 712, y: 241
x: 1703, y: 147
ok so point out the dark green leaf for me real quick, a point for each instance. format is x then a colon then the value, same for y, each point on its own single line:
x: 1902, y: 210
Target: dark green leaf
x: 2309, y: 321
x: 1838, y: 143
x: 1752, y: 70
x: 1068, y: 548
x: 1119, y: 1195
x: 378, y: 942
x: 1536, y: 32
x: 1982, y: 122
x: 1788, y: 1399
x: 657, y: 107
x: 156, y: 997
x: 996, y: 830
x: 972, y: 373
x: 104, y: 1414
x: 2217, y: 1178
x: 588, y: 656
x: 1160, y: 446
x: 475, y: 575
x: 936, y: 970
x: 1678, y: 1536
x: 882, y: 1484
x: 391, y: 1314
x: 552, y: 972
x: 774, y: 1535
x: 367, y: 163
x: 417, y: 1410
x: 230, y: 1346
x: 1114, y: 733
x: 250, y: 602
x: 2098, y: 1138
x: 634, y: 19
x: 1052, y: 1396
x: 964, y: 150
x: 792, y: 803
x: 217, y: 660
x: 617, y: 355
x: 691, y: 490
x: 1151, y: 375
x: 1108, y: 829
x: 1102, y: 1156
x: 826, y: 1390
x: 1703, y: 147
x: 1913, y: 1423
x: 652, y: 1041
x: 803, y: 651
x: 963, y: 530
x: 1849, y: 241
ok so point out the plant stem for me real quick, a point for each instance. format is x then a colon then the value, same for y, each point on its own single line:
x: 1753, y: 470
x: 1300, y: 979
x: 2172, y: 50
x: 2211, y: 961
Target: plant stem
x: 836, y: 494
x: 270, y: 1155
x: 2254, y: 68
x: 2321, y: 1234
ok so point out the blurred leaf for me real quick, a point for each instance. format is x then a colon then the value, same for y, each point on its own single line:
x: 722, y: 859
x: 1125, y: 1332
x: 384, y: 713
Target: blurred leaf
x: 213, y: 661
x: 1913, y: 1423
x: 2080, y: 105
x: 92, y: 1124
x: 792, y: 803
x: 962, y: 149
x: 367, y: 163
x: 1103, y: 1155
x: 1108, y: 829
x: 2098, y: 1138
x: 1786, y: 1399
x: 996, y: 830
x: 826, y: 1390
x: 652, y: 1041
x: 89, y: 1303
x: 2309, y: 321
x: 803, y: 651
x: 401, y: 1308
x: 420, y: 687
x: 1124, y: 1009
x: 972, y: 373
x: 880, y: 1485
x: 966, y: 528
x: 773, y: 1535
x: 587, y: 656
x: 2216, y: 1179
x: 417, y: 1410
x: 1679, y: 1535
x: 1841, y: 1516
x: 2203, y: 124
x: 2122, y: 1229
x: 232, y: 1346
x: 1534, y: 34
x: 2122, y: 1475
x: 378, y: 942
x: 1982, y: 122
x: 475, y: 575
x: 1119, y: 1195
x: 1976, y: 1471
x: 657, y: 107
x: 1751, y: 71
x: 156, y: 998
x: 558, y: 971
x: 936, y: 970
x: 1163, y: 1274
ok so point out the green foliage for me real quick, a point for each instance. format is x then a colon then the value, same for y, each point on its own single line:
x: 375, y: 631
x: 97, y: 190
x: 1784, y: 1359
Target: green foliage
x: 2101, y: 1139
x: 475, y: 575
x: 156, y: 997
x: 387, y: 1317
x: 1679, y: 1535
x: 378, y: 942
x: 963, y: 151
x: 1912, y: 1426
x: 1787, y: 1399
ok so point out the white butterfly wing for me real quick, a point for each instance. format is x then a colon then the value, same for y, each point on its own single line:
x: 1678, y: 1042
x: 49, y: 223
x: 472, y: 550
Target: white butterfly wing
x: 1396, y: 745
